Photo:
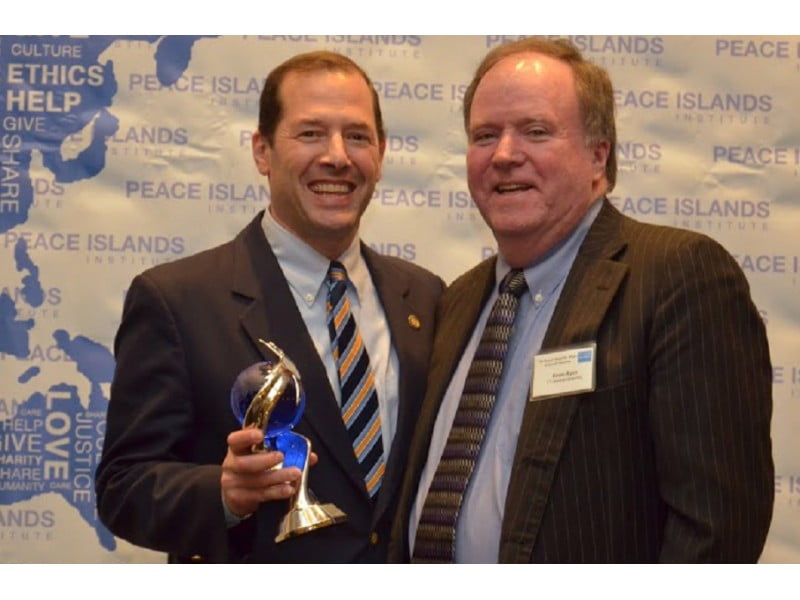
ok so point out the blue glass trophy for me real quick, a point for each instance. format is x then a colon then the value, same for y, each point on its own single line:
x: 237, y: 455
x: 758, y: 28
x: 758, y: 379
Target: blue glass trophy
x: 269, y: 396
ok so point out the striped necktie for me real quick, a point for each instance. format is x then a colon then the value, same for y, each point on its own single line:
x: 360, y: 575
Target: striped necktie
x: 436, y: 533
x: 359, y: 397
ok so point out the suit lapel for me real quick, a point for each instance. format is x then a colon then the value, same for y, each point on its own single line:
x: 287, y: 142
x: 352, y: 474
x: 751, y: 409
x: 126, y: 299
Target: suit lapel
x: 457, y: 319
x: 394, y: 286
x: 456, y: 315
x: 273, y: 316
x: 590, y: 287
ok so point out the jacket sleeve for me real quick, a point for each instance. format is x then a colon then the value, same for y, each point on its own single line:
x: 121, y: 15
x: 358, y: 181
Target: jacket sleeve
x: 710, y: 409
x: 150, y: 489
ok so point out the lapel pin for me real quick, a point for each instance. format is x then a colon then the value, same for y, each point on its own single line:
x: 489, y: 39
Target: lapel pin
x: 413, y: 321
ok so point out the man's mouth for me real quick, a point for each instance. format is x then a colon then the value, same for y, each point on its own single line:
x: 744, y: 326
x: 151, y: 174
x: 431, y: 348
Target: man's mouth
x: 327, y: 187
x: 507, y: 188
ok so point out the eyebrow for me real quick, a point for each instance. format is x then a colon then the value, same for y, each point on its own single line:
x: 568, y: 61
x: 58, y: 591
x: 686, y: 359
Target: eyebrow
x: 521, y: 122
x: 307, y: 123
x: 321, y: 123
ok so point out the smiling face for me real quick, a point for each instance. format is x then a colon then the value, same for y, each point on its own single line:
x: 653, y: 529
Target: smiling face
x: 529, y: 168
x: 325, y: 158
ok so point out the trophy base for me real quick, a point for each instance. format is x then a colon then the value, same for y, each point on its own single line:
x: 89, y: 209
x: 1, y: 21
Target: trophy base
x: 308, y: 518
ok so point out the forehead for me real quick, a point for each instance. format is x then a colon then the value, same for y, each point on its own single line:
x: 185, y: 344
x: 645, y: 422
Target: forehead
x: 526, y: 79
x: 326, y: 93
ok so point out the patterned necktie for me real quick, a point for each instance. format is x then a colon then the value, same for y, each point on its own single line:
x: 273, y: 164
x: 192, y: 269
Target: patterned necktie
x: 359, y: 397
x: 436, y: 533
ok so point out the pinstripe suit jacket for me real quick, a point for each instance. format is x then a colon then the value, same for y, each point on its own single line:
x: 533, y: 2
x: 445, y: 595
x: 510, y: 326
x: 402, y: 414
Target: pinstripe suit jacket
x: 669, y: 459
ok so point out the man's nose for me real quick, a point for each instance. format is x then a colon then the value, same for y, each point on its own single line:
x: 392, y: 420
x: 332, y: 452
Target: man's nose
x: 336, y: 152
x: 507, y: 151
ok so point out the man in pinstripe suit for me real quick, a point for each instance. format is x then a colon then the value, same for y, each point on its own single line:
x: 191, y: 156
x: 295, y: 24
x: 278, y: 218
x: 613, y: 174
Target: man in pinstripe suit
x: 657, y: 447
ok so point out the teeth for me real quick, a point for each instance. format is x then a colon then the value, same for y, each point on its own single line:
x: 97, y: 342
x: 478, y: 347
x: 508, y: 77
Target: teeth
x: 512, y: 187
x: 330, y: 188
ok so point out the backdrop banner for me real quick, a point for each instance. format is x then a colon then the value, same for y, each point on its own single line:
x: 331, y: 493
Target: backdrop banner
x: 120, y: 153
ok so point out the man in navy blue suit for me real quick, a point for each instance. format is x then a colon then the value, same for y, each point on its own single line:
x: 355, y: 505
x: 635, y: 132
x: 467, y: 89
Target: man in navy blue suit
x: 177, y: 473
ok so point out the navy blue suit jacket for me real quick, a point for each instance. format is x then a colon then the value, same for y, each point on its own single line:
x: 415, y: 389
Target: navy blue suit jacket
x: 188, y: 328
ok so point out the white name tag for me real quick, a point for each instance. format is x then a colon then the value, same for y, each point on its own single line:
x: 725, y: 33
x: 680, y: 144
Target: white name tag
x: 563, y: 371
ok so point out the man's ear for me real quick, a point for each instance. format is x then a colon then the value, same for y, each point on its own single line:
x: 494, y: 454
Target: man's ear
x: 261, y: 153
x: 599, y: 152
x: 381, y: 151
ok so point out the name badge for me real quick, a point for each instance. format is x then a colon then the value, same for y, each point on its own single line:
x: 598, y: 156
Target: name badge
x: 564, y: 371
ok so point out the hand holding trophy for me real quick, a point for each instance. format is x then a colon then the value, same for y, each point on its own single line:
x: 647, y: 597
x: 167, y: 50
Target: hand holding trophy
x: 269, y: 396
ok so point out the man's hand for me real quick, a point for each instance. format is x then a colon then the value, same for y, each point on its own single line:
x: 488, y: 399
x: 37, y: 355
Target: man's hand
x: 248, y: 478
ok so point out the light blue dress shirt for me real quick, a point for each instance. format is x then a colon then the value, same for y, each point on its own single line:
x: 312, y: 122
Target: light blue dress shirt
x: 306, y: 271
x: 481, y: 515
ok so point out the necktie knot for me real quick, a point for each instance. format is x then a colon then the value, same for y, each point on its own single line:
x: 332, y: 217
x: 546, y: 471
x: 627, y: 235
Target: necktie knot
x: 336, y: 273
x: 337, y: 282
x: 514, y: 283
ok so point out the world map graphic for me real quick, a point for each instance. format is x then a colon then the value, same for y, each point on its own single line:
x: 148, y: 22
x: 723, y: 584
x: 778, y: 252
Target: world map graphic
x: 52, y: 440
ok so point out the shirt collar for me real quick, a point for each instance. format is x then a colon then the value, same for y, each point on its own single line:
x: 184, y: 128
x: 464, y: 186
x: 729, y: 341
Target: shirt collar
x: 306, y: 269
x: 545, y: 274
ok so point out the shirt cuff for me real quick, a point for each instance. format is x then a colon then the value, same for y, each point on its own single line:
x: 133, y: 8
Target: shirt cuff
x: 232, y: 520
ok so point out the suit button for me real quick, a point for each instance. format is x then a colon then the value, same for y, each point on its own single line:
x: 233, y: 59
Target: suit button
x: 374, y: 538
x: 197, y: 558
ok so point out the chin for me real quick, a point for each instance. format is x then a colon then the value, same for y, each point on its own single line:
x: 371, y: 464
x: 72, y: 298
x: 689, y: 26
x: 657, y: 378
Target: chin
x: 508, y: 225
x: 336, y: 227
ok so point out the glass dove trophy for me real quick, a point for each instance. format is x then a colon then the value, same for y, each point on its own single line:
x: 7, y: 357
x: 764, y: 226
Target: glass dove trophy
x: 269, y: 395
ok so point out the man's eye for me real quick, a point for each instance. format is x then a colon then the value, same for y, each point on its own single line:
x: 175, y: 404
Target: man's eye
x: 358, y: 137
x: 483, y: 137
x: 310, y: 134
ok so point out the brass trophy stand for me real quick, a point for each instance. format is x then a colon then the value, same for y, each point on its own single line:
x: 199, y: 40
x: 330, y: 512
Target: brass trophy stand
x: 269, y: 396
